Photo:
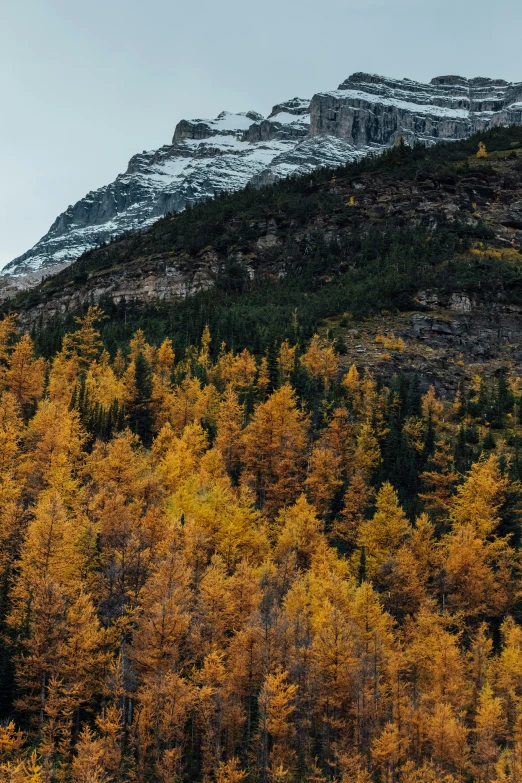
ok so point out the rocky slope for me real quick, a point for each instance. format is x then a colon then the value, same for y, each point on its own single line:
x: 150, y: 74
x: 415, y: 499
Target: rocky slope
x: 206, y: 157
x: 365, y: 114
x: 268, y: 236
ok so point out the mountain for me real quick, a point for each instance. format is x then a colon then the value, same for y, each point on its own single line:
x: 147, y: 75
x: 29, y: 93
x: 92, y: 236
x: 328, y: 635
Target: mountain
x: 366, y: 114
x: 426, y: 239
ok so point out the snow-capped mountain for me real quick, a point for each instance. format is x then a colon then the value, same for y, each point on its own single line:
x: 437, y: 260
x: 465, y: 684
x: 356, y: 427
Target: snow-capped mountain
x: 365, y: 114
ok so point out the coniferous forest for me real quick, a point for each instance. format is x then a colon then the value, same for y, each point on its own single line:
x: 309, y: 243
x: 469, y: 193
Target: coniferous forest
x: 225, y: 565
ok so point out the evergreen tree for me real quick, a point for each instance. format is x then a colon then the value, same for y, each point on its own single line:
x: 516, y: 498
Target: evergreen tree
x: 139, y: 410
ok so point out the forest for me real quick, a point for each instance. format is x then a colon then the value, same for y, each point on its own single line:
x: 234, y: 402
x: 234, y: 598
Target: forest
x: 223, y: 565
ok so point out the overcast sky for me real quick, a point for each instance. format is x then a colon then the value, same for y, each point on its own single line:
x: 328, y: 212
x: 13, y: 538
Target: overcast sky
x: 85, y: 85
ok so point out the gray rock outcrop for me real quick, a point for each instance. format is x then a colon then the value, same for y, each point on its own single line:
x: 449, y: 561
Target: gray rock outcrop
x: 370, y: 111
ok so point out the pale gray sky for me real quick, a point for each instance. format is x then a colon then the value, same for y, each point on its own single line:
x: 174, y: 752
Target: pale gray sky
x: 85, y: 85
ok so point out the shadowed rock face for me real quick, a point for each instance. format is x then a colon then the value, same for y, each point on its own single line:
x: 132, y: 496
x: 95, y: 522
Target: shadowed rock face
x: 366, y: 113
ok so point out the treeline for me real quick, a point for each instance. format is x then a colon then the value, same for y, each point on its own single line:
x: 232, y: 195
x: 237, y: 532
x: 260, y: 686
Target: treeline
x: 219, y: 567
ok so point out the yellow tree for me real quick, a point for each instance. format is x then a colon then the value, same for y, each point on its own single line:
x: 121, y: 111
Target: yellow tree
x: 356, y: 500
x: 204, y: 353
x: 125, y: 507
x: 63, y: 377
x: 275, y: 450
x: 300, y: 533
x: 447, y: 737
x: 53, y: 448
x: 164, y: 698
x: 477, y: 562
x: 479, y: 499
x: 387, y: 752
x: 86, y: 342
x: 98, y: 756
x: 439, y: 481
x: 7, y: 331
x: 40, y: 661
x: 383, y: 535
x: 191, y: 403
x: 263, y: 378
x: 490, y: 730
x: 230, y: 772
x: 243, y: 371
x: 509, y: 766
x: 164, y: 361
x: 45, y: 610
x: 11, y: 508
x: 321, y: 360
x: 323, y: 480
x: 88, y: 763
x: 372, y: 645
x: 351, y: 387
x: 164, y: 618
x: 49, y: 549
x: 508, y: 671
x: 229, y: 428
x: 83, y: 660
x: 80, y: 671
x: 333, y: 664
x: 470, y: 579
x: 138, y: 345
x: 286, y: 361
x: 437, y: 664
x: 276, y: 704
x: 161, y: 384
x: 367, y: 454
x: 211, y: 711
x: 26, y: 375
x: 432, y: 407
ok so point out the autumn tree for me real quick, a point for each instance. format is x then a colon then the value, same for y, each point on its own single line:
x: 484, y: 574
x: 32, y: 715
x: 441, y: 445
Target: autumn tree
x: 230, y: 421
x: 382, y: 536
x: 26, y: 375
x: 85, y: 343
x: 276, y: 703
x: 321, y: 360
x: 439, y: 481
x: 274, y: 449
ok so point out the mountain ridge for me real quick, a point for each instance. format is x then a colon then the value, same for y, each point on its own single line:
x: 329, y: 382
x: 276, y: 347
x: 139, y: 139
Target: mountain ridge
x: 366, y: 114
x: 313, y: 229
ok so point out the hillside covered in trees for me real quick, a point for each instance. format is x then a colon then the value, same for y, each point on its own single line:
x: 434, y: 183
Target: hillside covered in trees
x: 228, y: 565
x: 358, y: 239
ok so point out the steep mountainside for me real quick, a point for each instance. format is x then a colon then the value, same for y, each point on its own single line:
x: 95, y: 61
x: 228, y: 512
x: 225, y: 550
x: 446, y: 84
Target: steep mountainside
x: 365, y: 114
x: 427, y: 242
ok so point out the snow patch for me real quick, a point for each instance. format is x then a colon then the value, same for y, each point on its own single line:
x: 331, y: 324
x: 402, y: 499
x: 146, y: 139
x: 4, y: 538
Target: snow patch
x: 413, y: 108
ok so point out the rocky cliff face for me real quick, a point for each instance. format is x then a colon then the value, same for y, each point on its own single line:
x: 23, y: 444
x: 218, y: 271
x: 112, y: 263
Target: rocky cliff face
x: 365, y: 114
x: 369, y: 110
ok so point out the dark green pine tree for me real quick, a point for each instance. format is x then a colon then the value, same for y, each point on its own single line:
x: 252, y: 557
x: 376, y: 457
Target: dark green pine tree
x: 463, y: 453
x: 139, y: 411
x: 489, y: 442
x: 429, y: 441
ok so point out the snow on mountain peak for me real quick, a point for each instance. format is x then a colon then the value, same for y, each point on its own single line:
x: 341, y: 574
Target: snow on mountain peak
x: 365, y: 114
